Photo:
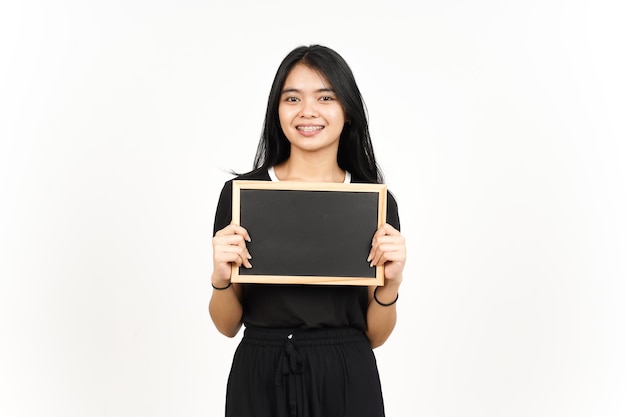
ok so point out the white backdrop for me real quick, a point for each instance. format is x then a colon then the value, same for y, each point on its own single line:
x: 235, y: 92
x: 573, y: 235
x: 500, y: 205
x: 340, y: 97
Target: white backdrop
x: 500, y: 128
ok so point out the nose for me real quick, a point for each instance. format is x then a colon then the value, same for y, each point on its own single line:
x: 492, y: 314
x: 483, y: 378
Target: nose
x: 309, y: 108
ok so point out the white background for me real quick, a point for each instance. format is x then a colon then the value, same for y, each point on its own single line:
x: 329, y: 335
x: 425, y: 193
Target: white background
x: 499, y: 126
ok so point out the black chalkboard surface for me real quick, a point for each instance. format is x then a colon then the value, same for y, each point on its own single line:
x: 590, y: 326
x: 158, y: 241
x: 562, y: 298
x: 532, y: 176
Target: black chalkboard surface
x: 309, y: 233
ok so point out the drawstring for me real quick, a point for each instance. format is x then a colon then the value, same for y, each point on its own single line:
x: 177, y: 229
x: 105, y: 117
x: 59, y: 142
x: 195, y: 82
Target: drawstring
x: 290, y: 365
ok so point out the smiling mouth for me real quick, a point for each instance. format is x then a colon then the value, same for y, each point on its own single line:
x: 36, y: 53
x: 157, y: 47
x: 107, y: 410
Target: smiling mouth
x: 309, y: 128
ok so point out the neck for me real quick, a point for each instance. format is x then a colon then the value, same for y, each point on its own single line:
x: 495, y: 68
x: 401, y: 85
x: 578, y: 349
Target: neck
x: 309, y: 170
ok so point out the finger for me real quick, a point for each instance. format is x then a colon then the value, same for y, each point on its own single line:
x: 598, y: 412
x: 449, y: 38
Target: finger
x: 234, y: 229
x: 389, y: 257
x: 388, y: 252
x: 228, y: 258
x: 233, y: 240
x: 384, y: 230
x: 233, y: 253
x: 390, y: 240
x: 242, y: 251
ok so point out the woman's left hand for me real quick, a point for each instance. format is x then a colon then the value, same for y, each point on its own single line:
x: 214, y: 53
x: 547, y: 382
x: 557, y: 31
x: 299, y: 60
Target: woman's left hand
x: 388, y: 249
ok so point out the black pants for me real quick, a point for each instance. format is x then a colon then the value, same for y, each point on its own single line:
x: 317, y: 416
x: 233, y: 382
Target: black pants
x: 316, y: 373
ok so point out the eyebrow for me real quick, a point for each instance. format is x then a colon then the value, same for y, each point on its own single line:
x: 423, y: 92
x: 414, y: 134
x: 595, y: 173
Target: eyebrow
x: 319, y: 90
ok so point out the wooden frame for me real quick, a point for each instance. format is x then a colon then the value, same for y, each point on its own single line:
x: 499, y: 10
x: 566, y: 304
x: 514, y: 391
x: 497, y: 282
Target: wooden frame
x: 309, y: 233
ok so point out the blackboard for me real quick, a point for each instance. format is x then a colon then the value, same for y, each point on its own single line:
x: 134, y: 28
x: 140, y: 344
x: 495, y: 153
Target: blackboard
x: 309, y: 233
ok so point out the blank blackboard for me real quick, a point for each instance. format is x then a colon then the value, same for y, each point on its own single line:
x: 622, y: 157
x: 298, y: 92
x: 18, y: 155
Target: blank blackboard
x: 309, y: 233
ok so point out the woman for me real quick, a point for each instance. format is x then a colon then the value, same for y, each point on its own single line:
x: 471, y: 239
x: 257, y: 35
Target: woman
x: 307, y: 350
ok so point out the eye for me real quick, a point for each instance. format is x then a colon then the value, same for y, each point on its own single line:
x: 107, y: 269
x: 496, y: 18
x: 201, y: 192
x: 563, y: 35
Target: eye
x: 327, y: 98
x: 291, y: 99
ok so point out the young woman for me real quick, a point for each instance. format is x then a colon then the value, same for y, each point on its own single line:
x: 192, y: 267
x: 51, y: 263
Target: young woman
x: 307, y: 350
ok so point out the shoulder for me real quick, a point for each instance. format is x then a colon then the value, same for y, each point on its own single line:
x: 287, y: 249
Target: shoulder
x: 260, y: 174
x: 393, y: 217
x: 391, y: 199
x: 223, y: 215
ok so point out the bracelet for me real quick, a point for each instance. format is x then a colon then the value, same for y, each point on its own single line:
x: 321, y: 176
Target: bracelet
x: 221, y: 288
x: 385, y: 304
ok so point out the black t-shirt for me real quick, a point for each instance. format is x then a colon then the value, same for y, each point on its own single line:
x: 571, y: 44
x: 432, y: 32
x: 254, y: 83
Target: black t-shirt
x: 299, y: 306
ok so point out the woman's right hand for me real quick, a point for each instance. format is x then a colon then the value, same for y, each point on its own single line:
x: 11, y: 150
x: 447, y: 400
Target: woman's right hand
x: 229, y: 247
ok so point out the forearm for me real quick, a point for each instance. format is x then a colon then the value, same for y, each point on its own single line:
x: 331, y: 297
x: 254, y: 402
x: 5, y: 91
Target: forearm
x: 381, y: 320
x: 229, y: 248
x: 226, y: 310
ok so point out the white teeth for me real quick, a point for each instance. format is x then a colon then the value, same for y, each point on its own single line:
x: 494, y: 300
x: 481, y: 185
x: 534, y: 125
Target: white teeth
x: 309, y: 128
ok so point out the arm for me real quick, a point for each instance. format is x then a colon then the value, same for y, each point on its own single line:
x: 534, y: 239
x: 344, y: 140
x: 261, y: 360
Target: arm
x: 226, y: 311
x: 225, y: 307
x: 388, y: 248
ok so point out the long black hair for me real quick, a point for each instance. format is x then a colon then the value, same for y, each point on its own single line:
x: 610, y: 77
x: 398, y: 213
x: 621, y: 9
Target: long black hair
x: 355, y: 153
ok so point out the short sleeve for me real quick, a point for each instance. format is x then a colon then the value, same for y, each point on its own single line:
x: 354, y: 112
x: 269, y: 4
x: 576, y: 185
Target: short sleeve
x: 224, y: 212
x: 393, y: 217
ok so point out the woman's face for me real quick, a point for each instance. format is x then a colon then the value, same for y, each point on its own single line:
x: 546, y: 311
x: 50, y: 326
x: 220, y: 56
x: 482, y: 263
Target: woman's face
x: 310, y: 114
